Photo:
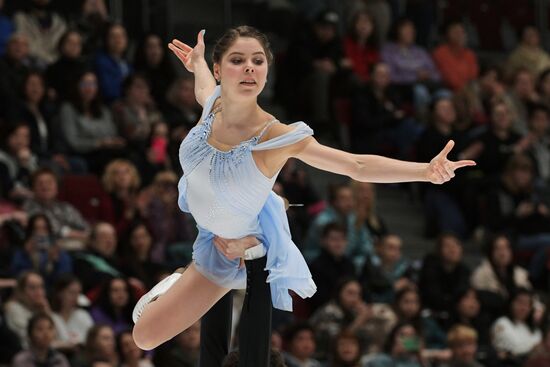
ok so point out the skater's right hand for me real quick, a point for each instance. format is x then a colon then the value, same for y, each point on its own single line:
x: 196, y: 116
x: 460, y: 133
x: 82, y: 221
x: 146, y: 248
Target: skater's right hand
x: 188, y: 55
x: 233, y: 249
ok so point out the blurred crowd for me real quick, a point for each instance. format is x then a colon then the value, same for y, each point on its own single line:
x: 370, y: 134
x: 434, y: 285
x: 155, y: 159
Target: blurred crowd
x: 92, y: 118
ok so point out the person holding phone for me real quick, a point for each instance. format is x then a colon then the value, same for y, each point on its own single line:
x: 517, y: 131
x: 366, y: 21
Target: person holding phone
x: 40, y: 252
x: 403, y: 348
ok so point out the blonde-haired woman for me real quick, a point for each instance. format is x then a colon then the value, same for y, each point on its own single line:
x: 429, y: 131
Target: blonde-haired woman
x: 365, y: 199
x: 122, y: 182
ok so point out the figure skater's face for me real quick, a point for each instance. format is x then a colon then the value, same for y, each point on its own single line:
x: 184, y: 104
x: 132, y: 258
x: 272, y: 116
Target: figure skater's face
x: 243, y: 68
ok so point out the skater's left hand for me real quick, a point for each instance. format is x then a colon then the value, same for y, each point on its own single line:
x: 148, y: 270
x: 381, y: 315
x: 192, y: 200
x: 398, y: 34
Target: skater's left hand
x: 441, y: 170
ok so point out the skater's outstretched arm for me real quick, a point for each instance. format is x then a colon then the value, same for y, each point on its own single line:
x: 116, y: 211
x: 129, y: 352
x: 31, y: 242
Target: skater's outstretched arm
x: 360, y: 167
x: 374, y: 168
x: 194, y: 61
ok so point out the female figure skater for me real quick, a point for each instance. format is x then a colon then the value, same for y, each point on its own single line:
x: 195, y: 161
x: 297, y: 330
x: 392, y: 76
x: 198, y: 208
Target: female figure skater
x: 230, y: 160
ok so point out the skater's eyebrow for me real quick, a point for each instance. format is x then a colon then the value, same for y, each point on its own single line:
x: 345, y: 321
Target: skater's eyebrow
x: 240, y: 53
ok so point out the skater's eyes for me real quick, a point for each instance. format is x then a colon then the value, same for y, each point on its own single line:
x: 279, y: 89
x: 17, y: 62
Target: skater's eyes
x: 238, y: 60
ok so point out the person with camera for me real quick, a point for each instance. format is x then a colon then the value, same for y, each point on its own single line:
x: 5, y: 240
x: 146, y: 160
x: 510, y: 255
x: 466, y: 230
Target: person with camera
x: 403, y: 348
x: 40, y: 252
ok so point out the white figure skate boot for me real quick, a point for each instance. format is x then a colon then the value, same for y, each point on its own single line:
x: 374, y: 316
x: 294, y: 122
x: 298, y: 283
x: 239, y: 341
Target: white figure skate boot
x: 158, y: 290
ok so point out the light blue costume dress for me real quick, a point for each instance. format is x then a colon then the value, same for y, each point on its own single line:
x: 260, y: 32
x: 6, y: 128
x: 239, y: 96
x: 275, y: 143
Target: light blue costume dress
x: 230, y: 197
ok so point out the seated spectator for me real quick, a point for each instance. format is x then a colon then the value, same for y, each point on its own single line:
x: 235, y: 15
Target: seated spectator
x: 43, y: 27
x: 516, y: 334
x: 316, y: 62
x: 331, y: 265
x: 539, y: 143
x: 379, y: 123
x: 467, y: 311
x: 114, y: 305
x: 540, y: 355
x: 72, y: 323
x: 520, y: 96
x: 41, y: 252
x: 463, y: 343
x: 360, y: 45
x: 41, y: 334
x: 365, y: 201
x: 348, y: 311
x: 443, y: 275
x: 29, y: 298
x: 474, y: 103
x: 135, y: 251
x: 98, y: 262
x: 100, y: 346
x: 129, y: 352
x: 403, y: 348
x: 67, y: 223
x: 37, y: 112
x: 136, y: 112
x: 408, y: 63
x: 497, y: 275
x: 457, y: 63
x: 87, y: 125
x: 411, y: 66
x: 181, y: 109
x: 347, y: 350
x: 515, y: 207
x: 386, y: 271
x: 156, y: 157
x: 14, y: 66
x: 91, y: 23
x: 492, y: 149
x: 340, y: 210
x: 528, y: 54
x: 442, y: 203
x: 17, y: 162
x: 300, y: 346
x: 182, y: 351
x: 407, y: 308
x: 6, y: 29
x: 121, y: 180
x: 169, y: 227
x: 64, y: 73
x: 152, y: 61
x: 111, y: 64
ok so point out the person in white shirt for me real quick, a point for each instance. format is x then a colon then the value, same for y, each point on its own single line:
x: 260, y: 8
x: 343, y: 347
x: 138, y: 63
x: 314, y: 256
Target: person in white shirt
x: 71, y: 322
x: 515, y: 334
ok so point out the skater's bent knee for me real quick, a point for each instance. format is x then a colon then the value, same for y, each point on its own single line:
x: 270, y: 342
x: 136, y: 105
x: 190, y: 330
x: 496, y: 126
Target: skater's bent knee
x: 144, y: 338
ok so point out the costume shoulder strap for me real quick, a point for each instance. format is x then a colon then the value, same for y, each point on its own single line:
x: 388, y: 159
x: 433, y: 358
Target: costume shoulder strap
x: 299, y: 132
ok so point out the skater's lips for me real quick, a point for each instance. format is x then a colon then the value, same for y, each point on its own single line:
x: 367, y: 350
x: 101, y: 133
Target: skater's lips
x: 248, y: 81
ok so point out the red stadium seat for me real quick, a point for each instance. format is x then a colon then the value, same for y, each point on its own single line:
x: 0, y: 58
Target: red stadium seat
x: 86, y: 194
